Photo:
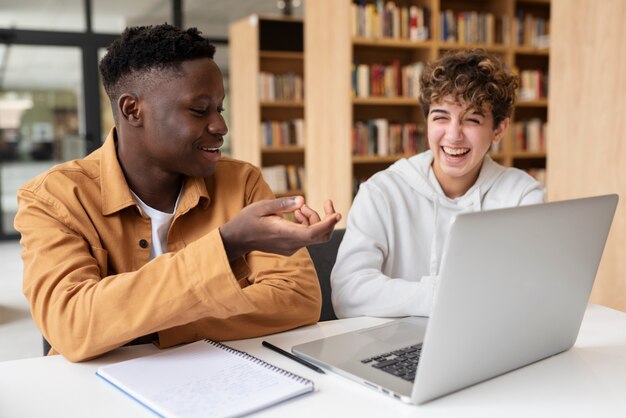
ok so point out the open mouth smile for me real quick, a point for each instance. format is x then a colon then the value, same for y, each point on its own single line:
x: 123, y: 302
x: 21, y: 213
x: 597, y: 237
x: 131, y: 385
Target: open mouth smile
x: 207, y: 149
x: 455, y: 152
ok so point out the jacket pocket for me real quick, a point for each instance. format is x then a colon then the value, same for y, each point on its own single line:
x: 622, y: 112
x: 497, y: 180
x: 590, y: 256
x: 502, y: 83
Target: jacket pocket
x: 102, y: 256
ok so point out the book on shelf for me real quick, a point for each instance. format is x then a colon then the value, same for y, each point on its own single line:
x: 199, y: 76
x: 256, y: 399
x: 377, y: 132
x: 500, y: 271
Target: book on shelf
x: 202, y: 379
x: 277, y: 134
x: 387, y: 19
x: 380, y: 137
x: 533, y: 85
x: 530, y: 135
x: 387, y: 80
x: 362, y: 80
x: 284, y: 178
x: 531, y: 31
x: 288, y: 86
x: 473, y: 27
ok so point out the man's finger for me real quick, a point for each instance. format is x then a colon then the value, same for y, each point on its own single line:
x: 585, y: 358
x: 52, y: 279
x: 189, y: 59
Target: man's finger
x: 310, y: 214
x: 329, y: 208
x: 280, y: 205
x: 303, y: 220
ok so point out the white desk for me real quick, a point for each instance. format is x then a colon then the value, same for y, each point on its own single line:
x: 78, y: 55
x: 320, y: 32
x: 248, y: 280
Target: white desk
x: 587, y: 381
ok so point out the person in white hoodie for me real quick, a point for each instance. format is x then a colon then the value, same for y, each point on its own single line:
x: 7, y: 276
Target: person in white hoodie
x: 388, y: 262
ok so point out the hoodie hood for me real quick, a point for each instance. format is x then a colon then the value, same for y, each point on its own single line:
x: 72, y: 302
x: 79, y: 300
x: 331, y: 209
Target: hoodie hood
x: 418, y: 174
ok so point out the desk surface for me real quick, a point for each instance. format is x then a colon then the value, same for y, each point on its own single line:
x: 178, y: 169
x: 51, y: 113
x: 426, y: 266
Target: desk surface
x: 588, y: 380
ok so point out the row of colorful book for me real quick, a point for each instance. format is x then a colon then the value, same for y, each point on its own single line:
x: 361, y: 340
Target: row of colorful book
x: 388, y: 20
x: 386, y: 80
x: 533, y: 85
x: 278, y: 134
x: 530, y: 135
x: 472, y: 27
x: 289, y: 86
x: 531, y: 30
x: 381, y: 137
x: 284, y: 178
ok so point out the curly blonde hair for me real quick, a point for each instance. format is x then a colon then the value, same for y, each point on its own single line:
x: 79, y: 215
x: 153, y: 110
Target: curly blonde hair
x: 474, y: 76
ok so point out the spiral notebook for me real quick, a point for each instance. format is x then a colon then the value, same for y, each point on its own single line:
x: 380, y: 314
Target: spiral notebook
x: 204, y: 379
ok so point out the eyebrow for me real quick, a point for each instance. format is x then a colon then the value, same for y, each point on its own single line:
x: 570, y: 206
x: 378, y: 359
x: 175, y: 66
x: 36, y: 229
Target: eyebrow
x: 445, y: 112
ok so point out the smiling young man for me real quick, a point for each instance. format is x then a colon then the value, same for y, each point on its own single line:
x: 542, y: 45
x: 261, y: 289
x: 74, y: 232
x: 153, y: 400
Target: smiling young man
x: 388, y: 262
x: 155, y: 236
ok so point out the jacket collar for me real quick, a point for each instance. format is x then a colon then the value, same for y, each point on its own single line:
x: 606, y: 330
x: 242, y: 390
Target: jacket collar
x: 116, y: 194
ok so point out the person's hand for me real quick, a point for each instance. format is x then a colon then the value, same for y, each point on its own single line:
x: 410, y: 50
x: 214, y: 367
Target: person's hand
x: 307, y: 216
x: 261, y: 227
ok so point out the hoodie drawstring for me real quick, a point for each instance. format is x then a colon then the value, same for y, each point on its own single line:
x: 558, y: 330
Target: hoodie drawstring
x: 434, y: 259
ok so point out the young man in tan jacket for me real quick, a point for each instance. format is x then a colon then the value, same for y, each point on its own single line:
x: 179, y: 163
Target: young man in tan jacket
x: 155, y: 236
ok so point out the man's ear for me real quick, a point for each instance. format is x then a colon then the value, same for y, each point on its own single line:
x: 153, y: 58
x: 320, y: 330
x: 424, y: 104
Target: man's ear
x: 498, y: 133
x: 130, y: 109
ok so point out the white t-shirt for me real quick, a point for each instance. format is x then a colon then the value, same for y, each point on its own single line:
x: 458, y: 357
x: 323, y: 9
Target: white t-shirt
x: 161, y: 223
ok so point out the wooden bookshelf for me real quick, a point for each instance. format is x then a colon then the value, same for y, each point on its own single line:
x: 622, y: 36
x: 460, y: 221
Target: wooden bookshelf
x: 273, y: 45
x: 331, y: 109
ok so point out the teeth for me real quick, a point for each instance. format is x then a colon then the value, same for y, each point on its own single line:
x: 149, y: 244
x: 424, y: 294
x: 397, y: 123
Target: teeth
x: 209, y: 149
x: 455, y: 151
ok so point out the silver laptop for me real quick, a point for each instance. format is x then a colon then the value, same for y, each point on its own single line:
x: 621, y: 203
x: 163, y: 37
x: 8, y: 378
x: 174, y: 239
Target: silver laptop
x: 514, y: 286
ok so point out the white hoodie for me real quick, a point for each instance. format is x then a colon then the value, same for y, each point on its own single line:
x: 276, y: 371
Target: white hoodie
x: 388, y: 262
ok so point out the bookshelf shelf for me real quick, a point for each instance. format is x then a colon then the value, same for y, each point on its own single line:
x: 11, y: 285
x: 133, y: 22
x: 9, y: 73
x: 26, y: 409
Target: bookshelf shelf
x: 532, y: 103
x: 282, y: 55
x: 390, y: 43
x: 529, y: 50
x: 385, y: 101
x: 281, y: 103
x: 487, y: 47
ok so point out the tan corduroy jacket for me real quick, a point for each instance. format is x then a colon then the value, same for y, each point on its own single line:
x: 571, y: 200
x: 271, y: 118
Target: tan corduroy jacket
x: 92, y: 288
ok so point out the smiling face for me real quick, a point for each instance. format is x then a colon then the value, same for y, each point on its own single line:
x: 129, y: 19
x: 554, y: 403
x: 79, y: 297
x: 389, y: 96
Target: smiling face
x: 183, y: 128
x: 171, y: 126
x: 459, y: 138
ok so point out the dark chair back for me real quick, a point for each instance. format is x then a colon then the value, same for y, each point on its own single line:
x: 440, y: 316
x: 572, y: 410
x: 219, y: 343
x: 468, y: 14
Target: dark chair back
x: 46, y: 346
x: 324, y: 256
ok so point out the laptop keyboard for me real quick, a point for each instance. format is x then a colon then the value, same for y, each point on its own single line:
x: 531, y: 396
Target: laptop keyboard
x: 401, y: 363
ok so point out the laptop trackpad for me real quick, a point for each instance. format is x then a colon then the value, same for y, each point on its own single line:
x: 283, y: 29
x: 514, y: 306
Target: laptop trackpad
x: 404, y: 332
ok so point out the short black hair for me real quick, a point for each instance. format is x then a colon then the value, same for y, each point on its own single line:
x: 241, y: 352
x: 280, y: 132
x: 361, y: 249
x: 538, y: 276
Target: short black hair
x: 142, y: 49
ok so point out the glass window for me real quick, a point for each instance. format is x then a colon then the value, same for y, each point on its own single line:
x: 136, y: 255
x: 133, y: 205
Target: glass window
x: 55, y: 15
x: 113, y: 16
x: 40, y: 116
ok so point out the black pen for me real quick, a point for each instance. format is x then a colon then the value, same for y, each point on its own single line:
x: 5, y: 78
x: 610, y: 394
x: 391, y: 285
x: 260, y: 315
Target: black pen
x: 291, y: 356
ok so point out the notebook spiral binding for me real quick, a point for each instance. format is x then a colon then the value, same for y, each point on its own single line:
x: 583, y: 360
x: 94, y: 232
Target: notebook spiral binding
x: 260, y: 362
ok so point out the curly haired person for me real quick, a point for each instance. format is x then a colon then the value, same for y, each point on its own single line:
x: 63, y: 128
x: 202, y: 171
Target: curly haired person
x: 154, y: 237
x: 388, y: 262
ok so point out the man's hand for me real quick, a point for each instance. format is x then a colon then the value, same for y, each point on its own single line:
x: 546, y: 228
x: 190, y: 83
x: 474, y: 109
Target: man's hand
x: 261, y: 227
